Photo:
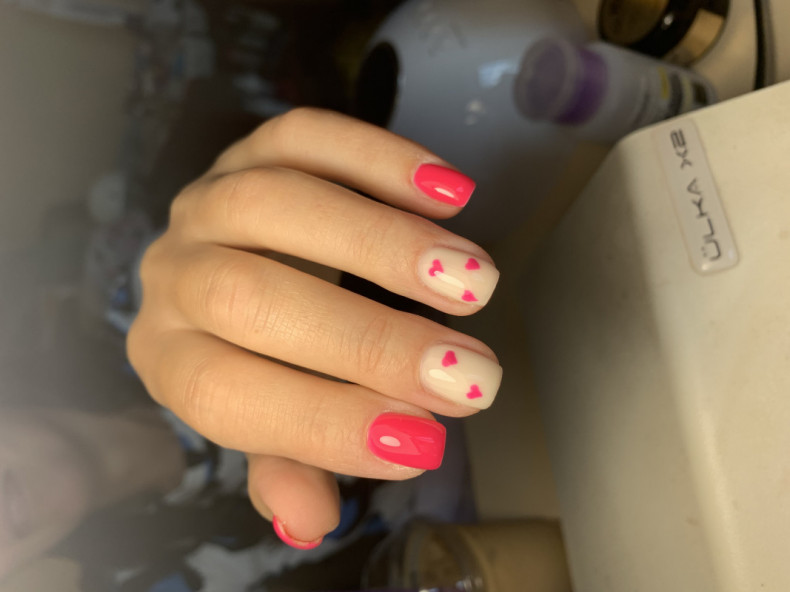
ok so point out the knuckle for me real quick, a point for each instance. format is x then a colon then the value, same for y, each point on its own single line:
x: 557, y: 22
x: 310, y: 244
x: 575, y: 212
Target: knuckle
x: 141, y: 351
x: 259, y: 314
x: 211, y: 288
x: 135, y: 345
x: 236, y: 200
x: 253, y: 309
x: 316, y: 428
x: 365, y: 244
x: 228, y: 294
x: 150, y: 264
x: 183, y: 203
x: 283, y: 132
x: 309, y: 428
x: 296, y: 118
x: 194, y: 391
x: 369, y: 349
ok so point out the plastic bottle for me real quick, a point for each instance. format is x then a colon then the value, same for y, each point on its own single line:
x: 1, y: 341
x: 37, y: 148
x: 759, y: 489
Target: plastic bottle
x: 601, y: 90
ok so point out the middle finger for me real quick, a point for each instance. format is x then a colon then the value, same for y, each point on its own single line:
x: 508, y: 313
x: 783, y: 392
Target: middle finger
x: 290, y: 212
x: 270, y: 308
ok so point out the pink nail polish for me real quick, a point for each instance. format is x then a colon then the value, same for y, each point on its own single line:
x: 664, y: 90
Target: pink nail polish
x: 443, y: 184
x: 407, y: 440
x: 460, y: 375
x: 458, y: 275
x: 289, y: 540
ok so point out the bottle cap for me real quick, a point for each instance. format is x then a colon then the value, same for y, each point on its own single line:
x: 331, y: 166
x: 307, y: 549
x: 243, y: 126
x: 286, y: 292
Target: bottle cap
x: 560, y: 82
x: 677, y: 31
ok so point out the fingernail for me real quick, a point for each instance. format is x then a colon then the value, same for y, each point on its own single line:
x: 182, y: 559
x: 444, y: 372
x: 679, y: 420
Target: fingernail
x: 443, y: 184
x: 460, y: 375
x: 458, y: 275
x: 289, y: 540
x: 407, y: 440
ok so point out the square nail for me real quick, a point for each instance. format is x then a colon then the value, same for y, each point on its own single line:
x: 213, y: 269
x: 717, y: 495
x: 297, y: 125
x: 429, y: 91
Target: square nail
x: 444, y: 184
x: 460, y: 375
x: 458, y: 275
x: 407, y: 440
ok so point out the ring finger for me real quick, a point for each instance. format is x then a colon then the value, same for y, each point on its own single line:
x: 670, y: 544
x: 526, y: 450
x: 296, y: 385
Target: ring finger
x: 270, y: 308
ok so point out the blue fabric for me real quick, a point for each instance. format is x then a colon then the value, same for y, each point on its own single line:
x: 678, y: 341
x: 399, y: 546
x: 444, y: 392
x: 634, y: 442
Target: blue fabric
x: 173, y: 583
x: 349, y: 514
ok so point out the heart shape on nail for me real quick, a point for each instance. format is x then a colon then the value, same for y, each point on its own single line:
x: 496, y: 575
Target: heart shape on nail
x: 449, y: 359
x: 472, y: 264
x: 435, y: 268
x: 474, y: 392
x: 468, y: 296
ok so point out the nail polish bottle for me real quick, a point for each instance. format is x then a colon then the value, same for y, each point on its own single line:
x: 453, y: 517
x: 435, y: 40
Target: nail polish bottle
x: 603, y: 92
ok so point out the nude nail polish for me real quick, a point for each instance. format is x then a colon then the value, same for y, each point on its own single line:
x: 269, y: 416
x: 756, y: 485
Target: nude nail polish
x: 407, y: 440
x: 460, y: 375
x: 444, y: 184
x: 458, y: 275
x: 279, y: 529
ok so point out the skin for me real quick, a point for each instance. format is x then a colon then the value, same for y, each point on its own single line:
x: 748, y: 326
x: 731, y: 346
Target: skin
x: 214, y: 306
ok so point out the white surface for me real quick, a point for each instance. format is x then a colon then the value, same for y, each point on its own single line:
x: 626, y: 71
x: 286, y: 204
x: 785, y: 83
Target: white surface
x: 665, y: 392
x: 506, y: 443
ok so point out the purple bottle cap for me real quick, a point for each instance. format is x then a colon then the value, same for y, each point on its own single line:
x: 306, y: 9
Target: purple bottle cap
x: 560, y: 82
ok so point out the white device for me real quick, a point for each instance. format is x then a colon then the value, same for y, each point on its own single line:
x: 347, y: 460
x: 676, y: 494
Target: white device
x: 659, y: 325
x: 659, y: 336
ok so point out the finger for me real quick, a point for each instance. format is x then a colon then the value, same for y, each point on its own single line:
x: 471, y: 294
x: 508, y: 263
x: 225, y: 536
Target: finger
x: 303, y: 502
x: 294, y: 213
x: 357, y: 154
x: 244, y: 402
x: 269, y: 308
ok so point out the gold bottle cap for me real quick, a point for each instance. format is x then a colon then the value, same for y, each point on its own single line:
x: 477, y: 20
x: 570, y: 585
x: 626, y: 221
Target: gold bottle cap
x: 679, y: 31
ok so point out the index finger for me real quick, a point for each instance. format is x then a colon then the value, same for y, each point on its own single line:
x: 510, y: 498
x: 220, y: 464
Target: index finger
x: 353, y: 153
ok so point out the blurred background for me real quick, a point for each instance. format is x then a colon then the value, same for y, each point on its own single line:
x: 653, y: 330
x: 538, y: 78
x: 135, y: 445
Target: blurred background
x: 620, y: 452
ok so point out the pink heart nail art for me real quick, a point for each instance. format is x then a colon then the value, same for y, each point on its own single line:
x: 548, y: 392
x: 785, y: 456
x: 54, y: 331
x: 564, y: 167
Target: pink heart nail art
x: 474, y: 392
x: 472, y: 264
x: 468, y: 296
x: 436, y: 268
x: 459, y: 375
x: 449, y: 359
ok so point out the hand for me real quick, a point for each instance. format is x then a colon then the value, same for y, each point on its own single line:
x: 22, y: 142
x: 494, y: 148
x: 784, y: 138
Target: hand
x: 224, y: 332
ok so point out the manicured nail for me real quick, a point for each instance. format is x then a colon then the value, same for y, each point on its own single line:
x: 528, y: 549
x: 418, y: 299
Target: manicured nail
x: 407, y: 440
x: 458, y: 275
x: 460, y: 375
x: 443, y: 184
x: 289, y: 540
